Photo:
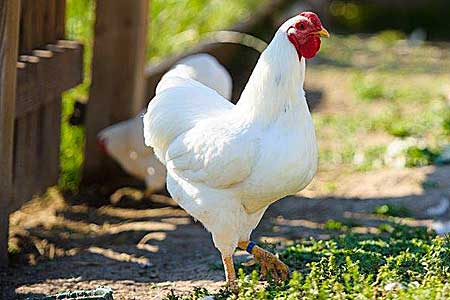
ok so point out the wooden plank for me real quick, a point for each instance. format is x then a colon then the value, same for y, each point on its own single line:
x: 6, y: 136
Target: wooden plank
x: 25, y: 142
x: 23, y: 126
x: 37, y: 30
x: 52, y: 136
x: 60, y: 15
x: 9, y: 39
x: 53, y: 111
x: 61, y: 72
x: 51, y: 116
x: 34, y: 131
x: 117, y: 89
x: 71, y: 56
x: 50, y: 31
x: 26, y: 23
x: 50, y: 125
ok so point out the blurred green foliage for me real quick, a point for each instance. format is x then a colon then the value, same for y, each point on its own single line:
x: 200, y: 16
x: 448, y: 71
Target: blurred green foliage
x: 419, y: 157
x: 178, y: 24
x: 80, y: 17
x: 368, y: 88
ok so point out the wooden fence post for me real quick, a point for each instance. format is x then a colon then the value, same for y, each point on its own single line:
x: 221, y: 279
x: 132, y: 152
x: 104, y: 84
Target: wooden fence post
x: 117, y: 90
x: 9, y: 38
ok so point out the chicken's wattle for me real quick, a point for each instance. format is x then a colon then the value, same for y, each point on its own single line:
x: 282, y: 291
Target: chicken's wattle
x: 311, y: 47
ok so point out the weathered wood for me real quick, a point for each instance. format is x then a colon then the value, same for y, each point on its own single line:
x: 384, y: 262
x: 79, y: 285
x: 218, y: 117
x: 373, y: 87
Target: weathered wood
x: 23, y: 176
x: 49, y: 67
x: 52, y: 137
x: 60, y: 17
x: 25, y: 142
x: 26, y: 23
x: 117, y: 89
x: 51, y: 112
x: 34, y: 143
x: 50, y: 30
x: 61, y: 72
x: 9, y: 38
x: 28, y: 127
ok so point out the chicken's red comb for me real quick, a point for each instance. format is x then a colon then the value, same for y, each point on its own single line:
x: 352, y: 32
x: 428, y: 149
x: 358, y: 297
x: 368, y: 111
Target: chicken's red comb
x: 312, y: 17
x: 101, y: 143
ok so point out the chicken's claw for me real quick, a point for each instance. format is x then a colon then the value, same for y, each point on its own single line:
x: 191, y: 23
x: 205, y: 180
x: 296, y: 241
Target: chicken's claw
x: 233, y: 287
x: 270, y: 265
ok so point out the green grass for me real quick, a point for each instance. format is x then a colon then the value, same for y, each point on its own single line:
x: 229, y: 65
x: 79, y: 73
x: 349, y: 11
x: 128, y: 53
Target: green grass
x: 390, y: 91
x: 400, y: 262
x: 167, y: 35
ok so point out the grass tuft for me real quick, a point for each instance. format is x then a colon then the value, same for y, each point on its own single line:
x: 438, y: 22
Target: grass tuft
x: 401, y: 262
x: 392, y: 210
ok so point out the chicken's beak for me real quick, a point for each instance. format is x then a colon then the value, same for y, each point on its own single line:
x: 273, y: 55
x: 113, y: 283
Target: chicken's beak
x: 323, y: 33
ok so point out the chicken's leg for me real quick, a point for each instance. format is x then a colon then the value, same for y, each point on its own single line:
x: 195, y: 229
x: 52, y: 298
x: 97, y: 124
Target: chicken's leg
x: 230, y: 273
x: 269, y: 262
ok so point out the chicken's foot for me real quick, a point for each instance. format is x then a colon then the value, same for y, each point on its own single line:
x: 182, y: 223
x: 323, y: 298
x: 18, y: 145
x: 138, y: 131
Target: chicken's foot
x: 230, y: 273
x: 270, y: 264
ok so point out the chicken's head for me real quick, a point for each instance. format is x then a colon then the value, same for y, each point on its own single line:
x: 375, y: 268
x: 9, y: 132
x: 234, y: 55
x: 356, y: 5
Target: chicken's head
x: 305, y: 34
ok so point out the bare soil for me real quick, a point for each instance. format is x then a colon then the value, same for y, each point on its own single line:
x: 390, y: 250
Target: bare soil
x: 143, y: 248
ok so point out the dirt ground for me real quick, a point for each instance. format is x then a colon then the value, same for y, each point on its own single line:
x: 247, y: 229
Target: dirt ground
x: 143, y: 248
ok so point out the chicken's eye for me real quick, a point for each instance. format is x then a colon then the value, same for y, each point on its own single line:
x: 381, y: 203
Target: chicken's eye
x: 300, y: 25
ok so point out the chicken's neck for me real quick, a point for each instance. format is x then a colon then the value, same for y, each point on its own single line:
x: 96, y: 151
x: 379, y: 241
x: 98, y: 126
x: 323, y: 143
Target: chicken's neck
x: 276, y: 84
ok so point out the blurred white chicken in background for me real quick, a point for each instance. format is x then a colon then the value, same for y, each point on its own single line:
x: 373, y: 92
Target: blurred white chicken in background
x: 227, y: 163
x: 124, y: 141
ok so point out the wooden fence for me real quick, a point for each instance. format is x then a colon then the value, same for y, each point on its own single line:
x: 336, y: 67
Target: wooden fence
x: 37, y: 65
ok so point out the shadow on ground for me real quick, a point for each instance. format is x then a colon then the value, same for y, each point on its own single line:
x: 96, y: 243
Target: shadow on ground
x: 142, y: 250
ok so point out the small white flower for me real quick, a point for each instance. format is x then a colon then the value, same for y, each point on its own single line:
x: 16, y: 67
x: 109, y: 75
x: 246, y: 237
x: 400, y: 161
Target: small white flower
x: 393, y: 286
x: 358, y: 159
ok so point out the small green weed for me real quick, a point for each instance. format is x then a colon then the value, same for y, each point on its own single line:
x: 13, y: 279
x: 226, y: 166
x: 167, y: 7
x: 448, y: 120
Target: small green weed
x: 419, y: 157
x: 368, y: 87
x: 334, y: 225
x: 446, y: 123
x: 392, y: 210
x: 399, y: 129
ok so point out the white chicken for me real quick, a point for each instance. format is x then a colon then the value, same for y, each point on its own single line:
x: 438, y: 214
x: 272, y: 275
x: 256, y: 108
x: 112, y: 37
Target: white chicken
x: 227, y: 163
x: 124, y: 141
